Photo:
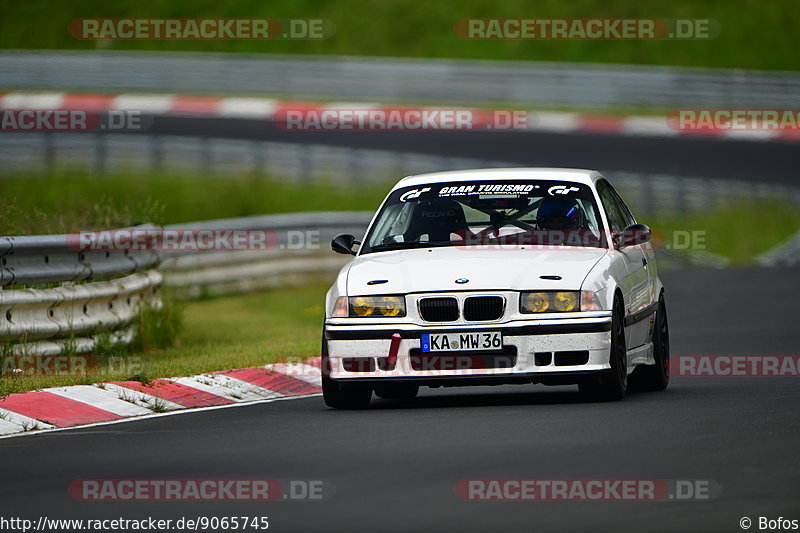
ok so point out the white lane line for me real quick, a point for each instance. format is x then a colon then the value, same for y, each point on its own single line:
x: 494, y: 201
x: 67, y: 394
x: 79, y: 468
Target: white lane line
x: 308, y: 373
x: 549, y: 121
x: 227, y: 387
x: 346, y: 106
x: 105, y: 400
x: 759, y: 135
x: 247, y: 107
x: 149, y: 103
x: 21, y: 100
x: 20, y: 421
x: 142, y: 399
x: 647, y: 126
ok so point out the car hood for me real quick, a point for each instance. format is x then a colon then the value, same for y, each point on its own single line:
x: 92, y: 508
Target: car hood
x: 437, y: 269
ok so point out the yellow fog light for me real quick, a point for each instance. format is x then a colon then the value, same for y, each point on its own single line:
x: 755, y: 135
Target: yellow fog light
x: 565, y: 301
x: 391, y: 306
x: 363, y: 306
x: 536, y: 302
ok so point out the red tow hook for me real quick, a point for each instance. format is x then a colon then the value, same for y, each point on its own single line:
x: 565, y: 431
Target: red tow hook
x: 391, y: 360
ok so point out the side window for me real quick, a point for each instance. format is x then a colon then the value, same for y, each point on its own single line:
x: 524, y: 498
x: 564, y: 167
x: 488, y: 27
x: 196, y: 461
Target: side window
x: 626, y: 213
x: 615, y: 217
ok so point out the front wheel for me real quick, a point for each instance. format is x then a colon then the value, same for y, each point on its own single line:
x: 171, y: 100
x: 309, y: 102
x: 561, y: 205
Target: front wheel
x: 345, y: 395
x: 612, y: 384
x: 656, y: 377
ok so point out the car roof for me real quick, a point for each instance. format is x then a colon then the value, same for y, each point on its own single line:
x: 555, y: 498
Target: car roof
x: 577, y: 175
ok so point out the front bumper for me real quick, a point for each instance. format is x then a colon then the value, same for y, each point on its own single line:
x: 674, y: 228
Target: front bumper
x: 548, y: 351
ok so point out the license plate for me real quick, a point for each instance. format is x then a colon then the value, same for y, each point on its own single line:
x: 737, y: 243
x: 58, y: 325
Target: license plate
x: 461, y: 342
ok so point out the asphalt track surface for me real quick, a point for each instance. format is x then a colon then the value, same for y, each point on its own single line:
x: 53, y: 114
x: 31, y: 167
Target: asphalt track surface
x: 771, y: 162
x: 395, y: 465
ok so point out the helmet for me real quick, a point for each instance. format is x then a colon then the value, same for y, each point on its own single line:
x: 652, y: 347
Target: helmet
x: 560, y: 213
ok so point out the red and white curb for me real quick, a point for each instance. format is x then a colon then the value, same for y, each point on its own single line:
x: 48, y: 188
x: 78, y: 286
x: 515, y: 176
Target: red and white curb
x: 266, y: 109
x: 80, y: 405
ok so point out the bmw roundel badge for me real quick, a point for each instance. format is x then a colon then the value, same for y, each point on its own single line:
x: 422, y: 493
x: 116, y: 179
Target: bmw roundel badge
x: 462, y: 280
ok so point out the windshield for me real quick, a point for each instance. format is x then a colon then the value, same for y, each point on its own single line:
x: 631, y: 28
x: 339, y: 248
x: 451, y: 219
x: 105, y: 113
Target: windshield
x: 471, y: 213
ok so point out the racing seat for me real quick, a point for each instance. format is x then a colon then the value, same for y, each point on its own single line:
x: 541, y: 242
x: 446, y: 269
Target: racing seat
x: 438, y: 219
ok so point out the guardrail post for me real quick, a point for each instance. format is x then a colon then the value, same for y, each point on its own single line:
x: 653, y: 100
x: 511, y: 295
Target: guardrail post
x: 258, y: 150
x: 353, y: 165
x: 49, y: 152
x: 648, y: 200
x: 307, y: 162
x: 100, y: 154
x: 681, y: 197
x: 156, y: 154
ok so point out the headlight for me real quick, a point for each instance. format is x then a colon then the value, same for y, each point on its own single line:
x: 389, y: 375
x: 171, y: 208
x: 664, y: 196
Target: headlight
x: 534, y: 302
x: 566, y: 301
x: 553, y: 302
x: 377, y: 306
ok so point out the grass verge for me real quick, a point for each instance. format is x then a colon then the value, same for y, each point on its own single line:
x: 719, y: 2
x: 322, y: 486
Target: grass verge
x: 66, y: 201
x: 739, y: 231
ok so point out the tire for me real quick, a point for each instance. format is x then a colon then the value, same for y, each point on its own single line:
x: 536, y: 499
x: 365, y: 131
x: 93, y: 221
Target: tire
x: 614, y: 383
x: 397, y: 391
x: 345, y: 395
x: 655, y: 377
x: 341, y: 395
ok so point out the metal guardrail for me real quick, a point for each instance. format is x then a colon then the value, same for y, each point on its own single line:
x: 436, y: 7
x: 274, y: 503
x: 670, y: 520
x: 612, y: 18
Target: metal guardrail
x: 97, y: 294
x: 81, y: 308
x: 45, y: 259
x: 73, y: 310
x: 394, y: 79
x: 786, y: 253
x: 79, y: 311
x: 293, y: 261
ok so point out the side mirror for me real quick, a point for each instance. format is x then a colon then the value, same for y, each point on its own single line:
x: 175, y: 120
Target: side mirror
x: 343, y: 244
x: 633, y: 235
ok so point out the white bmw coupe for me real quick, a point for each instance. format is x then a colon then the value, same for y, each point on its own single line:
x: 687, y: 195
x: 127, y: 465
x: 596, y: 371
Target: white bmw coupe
x: 496, y: 276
